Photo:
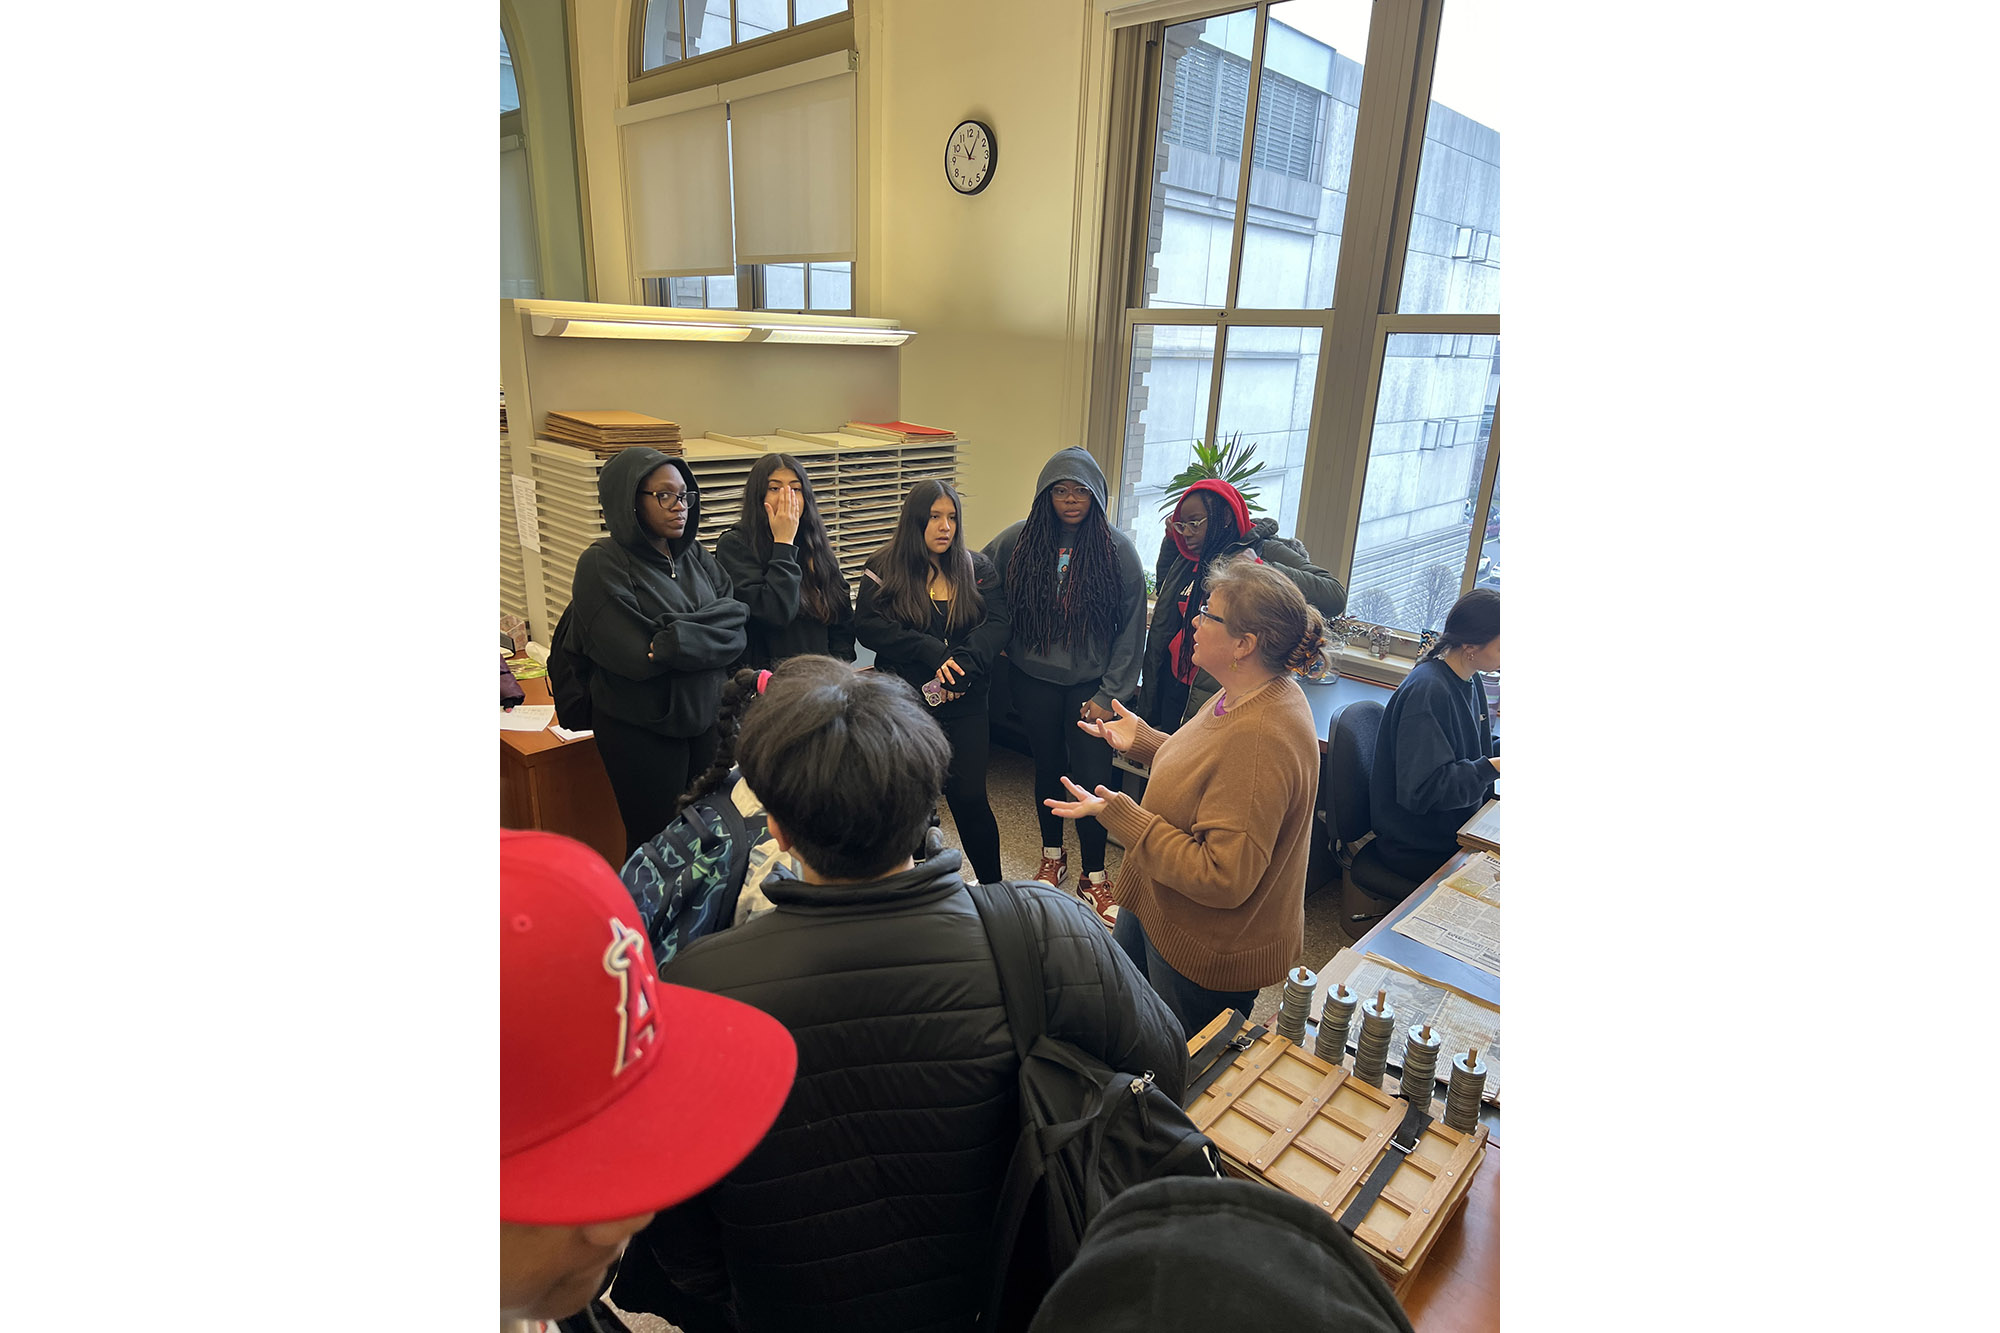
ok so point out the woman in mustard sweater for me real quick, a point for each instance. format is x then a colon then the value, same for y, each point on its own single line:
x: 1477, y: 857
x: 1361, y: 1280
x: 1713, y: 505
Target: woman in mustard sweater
x: 1211, y: 895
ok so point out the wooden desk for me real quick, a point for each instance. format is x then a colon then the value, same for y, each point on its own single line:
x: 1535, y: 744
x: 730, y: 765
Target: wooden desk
x: 558, y: 786
x: 1481, y: 833
x: 1458, y: 1288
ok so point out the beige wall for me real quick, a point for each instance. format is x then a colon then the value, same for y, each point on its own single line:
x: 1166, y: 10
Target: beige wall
x: 994, y: 284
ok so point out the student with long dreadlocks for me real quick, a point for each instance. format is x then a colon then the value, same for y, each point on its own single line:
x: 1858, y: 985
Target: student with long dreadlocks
x: 1076, y: 593
x: 1211, y: 521
x: 784, y: 569
x: 936, y: 615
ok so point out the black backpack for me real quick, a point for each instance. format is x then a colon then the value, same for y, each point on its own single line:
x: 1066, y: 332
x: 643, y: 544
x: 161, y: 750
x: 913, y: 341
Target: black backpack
x: 1088, y: 1131
x: 569, y: 677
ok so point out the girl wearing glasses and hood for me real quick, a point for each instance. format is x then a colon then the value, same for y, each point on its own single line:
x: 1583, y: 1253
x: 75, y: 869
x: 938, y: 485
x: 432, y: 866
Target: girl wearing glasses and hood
x: 1077, y: 595
x: 658, y: 621
x: 1210, y: 522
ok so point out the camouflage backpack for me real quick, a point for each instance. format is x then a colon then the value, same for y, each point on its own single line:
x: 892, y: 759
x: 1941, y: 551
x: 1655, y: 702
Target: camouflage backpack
x: 685, y: 879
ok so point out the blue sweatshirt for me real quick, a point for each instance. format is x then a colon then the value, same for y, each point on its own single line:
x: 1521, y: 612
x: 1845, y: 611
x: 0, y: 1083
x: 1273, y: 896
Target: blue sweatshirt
x: 1432, y: 767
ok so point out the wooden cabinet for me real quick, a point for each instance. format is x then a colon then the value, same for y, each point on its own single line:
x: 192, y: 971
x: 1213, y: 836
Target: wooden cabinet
x: 558, y: 786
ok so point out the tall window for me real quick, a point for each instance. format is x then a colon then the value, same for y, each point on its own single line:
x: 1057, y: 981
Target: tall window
x: 520, y: 263
x: 1233, y: 314
x: 677, y: 30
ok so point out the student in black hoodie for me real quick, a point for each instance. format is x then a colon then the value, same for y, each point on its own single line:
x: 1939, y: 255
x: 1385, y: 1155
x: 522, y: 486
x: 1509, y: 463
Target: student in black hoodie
x: 1076, y: 594
x: 936, y: 615
x: 783, y: 568
x: 657, y: 619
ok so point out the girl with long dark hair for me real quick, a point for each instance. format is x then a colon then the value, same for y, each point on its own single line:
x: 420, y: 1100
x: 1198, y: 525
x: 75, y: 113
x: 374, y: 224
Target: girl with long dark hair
x: 1435, y: 758
x: 1076, y: 594
x: 936, y: 615
x: 1212, y: 521
x: 783, y: 568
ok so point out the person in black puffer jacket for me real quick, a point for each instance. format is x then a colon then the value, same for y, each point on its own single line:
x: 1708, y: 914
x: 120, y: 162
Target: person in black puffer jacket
x: 1210, y: 522
x: 868, y: 1206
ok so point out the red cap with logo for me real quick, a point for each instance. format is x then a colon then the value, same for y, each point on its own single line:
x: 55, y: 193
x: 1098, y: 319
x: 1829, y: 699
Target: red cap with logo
x: 619, y: 1094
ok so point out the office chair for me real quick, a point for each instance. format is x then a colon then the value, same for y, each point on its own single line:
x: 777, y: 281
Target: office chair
x: 1350, y: 759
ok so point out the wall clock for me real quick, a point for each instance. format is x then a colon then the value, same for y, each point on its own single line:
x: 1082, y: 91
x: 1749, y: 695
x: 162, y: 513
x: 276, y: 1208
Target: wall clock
x: 970, y: 154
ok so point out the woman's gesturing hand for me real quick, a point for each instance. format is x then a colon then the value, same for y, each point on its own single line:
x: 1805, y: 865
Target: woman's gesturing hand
x: 1119, y: 733
x: 1084, y: 806
x: 783, y: 509
x: 950, y: 673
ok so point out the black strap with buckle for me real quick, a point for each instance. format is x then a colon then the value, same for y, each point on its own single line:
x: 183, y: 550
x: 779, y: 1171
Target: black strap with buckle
x: 1223, y: 1049
x: 1401, y: 1144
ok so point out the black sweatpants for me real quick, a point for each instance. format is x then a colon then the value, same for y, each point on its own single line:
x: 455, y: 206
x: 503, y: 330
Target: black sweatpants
x: 1049, y: 714
x: 965, y: 790
x: 649, y: 772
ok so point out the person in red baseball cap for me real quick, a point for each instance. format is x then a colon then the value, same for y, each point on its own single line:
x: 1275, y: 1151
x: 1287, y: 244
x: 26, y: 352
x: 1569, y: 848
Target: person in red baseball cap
x: 619, y: 1095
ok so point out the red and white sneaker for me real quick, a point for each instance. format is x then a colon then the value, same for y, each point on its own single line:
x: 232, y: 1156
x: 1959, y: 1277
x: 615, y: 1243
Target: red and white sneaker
x: 1055, y: 869
x: 1095, y: 893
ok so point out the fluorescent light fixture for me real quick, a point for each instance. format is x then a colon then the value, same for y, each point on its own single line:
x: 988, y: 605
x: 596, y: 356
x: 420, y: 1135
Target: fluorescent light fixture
x: 562, y: 326
x: 810, y: 333
x: 556, y: 326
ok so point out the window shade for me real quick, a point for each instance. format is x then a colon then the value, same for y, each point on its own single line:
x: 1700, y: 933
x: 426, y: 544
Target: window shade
x: 793, y: 152
x: 677, y: 193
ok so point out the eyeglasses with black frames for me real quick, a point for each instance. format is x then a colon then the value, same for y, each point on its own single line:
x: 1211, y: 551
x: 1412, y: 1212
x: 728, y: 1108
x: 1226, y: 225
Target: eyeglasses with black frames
x: 668, y: 500
x: 1207, y: 614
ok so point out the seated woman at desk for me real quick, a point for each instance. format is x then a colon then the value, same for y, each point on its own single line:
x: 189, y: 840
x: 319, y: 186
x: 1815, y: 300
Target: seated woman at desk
x: 1211, y: 893
x: 784, y: 570
x: 1435, y: 761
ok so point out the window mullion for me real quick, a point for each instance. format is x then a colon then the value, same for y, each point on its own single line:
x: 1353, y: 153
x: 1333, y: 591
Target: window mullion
x: 1248, y: 147
x: 1428, y: 25
x: 1487, y: 476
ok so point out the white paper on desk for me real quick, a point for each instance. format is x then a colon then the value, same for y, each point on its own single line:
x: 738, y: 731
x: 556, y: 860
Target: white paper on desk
x: 1480, y: 877
x: 569, y: 735
x: 1460, y: 1021
x: 527, y: 717
x: 1458, y: 924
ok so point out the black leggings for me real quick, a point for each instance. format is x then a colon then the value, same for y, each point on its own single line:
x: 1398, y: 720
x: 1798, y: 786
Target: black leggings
x: 1049, y: 714
x: 649, y: 772
x: 965, y: 792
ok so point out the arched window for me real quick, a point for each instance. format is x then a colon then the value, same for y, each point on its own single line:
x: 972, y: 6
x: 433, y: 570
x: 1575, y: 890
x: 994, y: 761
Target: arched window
x: 677, y: 30
x: 510, y: 91
x: 520, y: 260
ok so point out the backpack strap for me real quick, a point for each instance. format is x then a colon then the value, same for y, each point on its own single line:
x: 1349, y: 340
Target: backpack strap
x: 1016, y: 958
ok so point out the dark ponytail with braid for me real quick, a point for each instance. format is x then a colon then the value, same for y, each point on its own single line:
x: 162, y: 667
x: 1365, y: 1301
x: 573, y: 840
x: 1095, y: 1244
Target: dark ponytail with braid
x: 737, y: 696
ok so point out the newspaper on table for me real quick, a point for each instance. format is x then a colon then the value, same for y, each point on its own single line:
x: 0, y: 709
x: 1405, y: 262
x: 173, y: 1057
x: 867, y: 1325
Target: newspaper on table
x: 1463, y: 1023
x: 1458, y: 924
x: 1479, y: 877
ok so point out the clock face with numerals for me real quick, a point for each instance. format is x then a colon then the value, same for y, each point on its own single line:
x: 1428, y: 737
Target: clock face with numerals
x: 969, y: 156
